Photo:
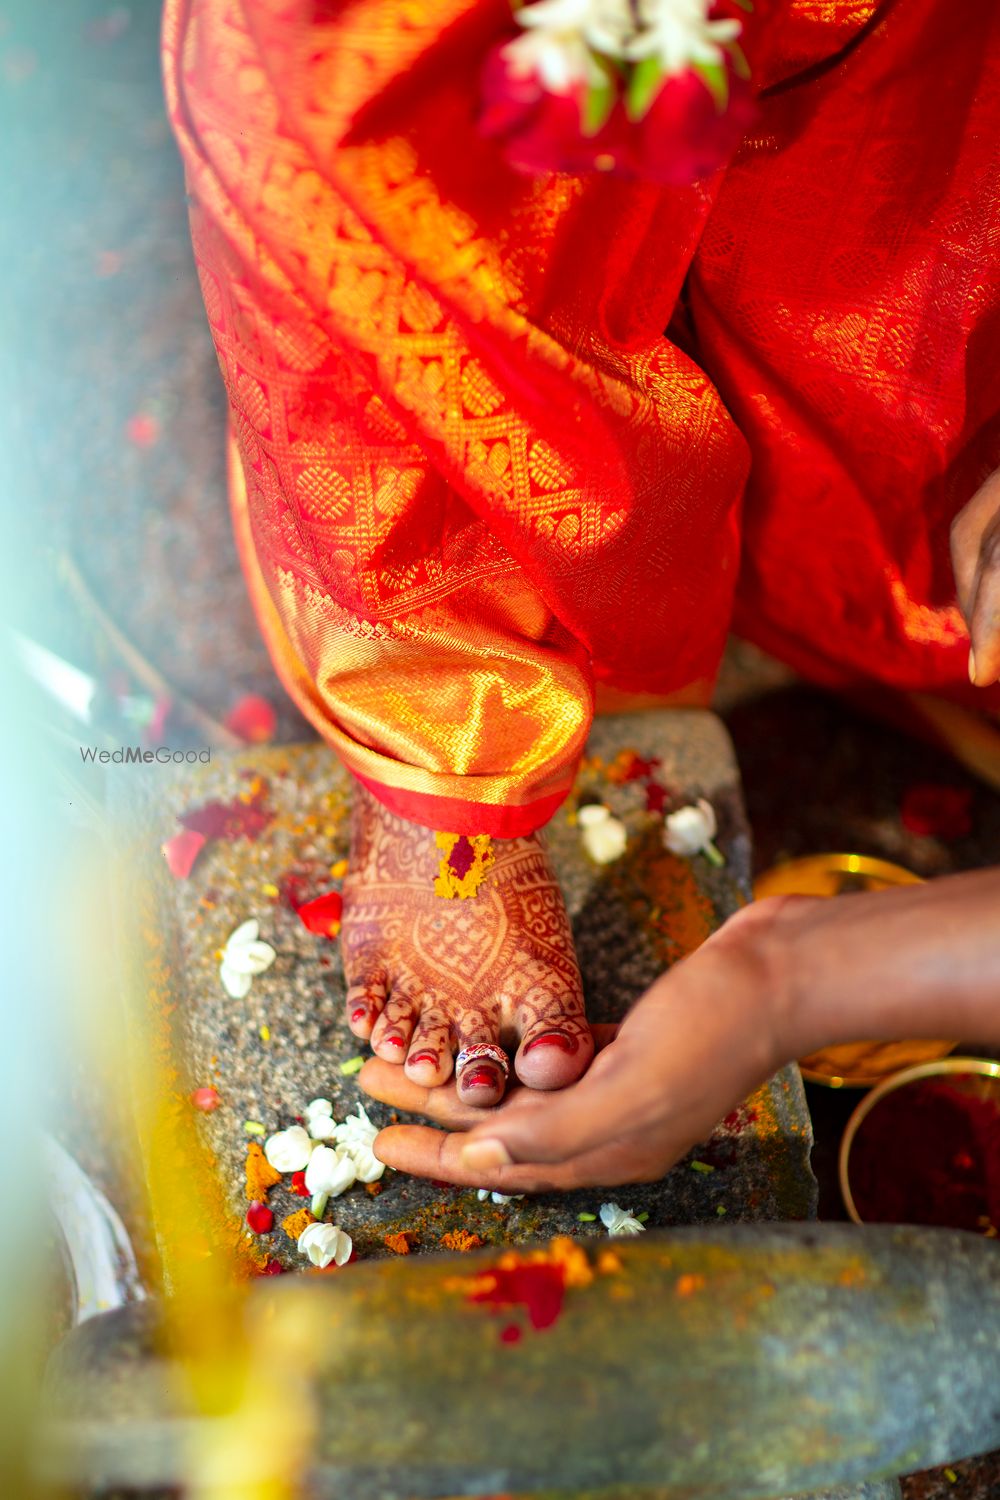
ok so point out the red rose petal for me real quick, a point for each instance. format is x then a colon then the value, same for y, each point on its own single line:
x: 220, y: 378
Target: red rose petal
x: 299, y: 1185
x: 181, y: 851
x: 237, y: 819
x: 322, y: 915
x: 253, y: 719
x: 260, y: 1218
x: 273, y: 1268
x: 656, y: 797
x: 943, y: 812
x: 206, y: 1099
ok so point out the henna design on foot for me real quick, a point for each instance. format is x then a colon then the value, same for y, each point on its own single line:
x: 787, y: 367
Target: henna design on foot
x: 428, y: 977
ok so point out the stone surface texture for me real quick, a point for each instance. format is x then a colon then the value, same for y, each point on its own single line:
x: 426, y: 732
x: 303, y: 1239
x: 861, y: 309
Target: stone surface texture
x: 843, y: 1352
x: 270, y: 1054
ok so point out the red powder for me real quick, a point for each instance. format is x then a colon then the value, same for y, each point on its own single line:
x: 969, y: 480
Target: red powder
x: 943, y: 812
x: 462, y: 857
x: 537, y: 1288
x: 510, y: 1334
x: 929, y: 1154
x: 230, y: 820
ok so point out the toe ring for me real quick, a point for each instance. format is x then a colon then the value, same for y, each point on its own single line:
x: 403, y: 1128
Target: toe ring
x: 485, y: 1050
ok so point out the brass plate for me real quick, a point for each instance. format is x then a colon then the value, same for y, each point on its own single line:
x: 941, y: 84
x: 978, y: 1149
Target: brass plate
x: 856, y: 1065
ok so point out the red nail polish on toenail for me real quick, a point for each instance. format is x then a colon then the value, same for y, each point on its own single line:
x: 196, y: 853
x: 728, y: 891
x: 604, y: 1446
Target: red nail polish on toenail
x: 559, y: 1039
x: 480, y: 1078
x: 430, y: 1057
x: 394, y: 1041
x: 359, y: 1014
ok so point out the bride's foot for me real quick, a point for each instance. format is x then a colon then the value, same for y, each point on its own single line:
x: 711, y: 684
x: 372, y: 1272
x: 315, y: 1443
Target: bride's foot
x: 429, y: 975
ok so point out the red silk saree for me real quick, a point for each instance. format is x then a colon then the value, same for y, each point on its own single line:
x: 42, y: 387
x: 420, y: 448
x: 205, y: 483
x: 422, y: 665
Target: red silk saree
x: 498, y: 439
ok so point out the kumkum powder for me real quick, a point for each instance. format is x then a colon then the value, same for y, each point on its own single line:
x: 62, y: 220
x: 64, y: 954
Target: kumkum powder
x: 929, y: 1153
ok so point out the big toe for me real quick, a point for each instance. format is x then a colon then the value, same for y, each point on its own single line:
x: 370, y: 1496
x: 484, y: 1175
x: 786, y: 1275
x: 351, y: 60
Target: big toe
x: 555, y: 1050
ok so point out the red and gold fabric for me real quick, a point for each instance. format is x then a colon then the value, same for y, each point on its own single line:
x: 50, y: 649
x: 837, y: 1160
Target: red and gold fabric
x: 473, y: 477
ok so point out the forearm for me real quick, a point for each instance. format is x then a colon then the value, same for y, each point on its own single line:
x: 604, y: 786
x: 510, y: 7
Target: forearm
x: 917, y: 961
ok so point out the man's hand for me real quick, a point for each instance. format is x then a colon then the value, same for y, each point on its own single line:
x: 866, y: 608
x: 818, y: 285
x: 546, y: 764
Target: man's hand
x: 975, y: 557
x: 693, y: 1047
x: 779, y: 980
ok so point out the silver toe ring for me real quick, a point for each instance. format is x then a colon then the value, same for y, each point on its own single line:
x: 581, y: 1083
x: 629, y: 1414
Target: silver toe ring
x: 489, y: 1051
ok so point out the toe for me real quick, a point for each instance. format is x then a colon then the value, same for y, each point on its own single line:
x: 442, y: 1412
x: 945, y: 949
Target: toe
x: 365, y: 999
x: 482, y: 1078
x: 555, y: 1048
x: 429, y: 1060
x: 391, y: 1033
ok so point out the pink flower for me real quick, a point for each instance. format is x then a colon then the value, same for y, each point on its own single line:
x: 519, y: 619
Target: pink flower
x: 684, y: 135
x: 667, y: 103
x: 537, y: 129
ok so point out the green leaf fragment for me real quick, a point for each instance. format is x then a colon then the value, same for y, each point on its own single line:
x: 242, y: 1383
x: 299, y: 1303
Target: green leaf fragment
x: 602, y: 92
x: 586, y: 1218
x: 641, y: 1218
x: 702, y: 1166
x: 716, y: 80
x: 740, y: 65
x: 643, y: 87
x: 253, y: 1127
x: 351, y: 1066
x: 598, y: 103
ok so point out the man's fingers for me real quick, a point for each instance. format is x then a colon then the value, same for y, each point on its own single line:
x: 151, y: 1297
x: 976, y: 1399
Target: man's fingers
x: 984, y: 618
x: 389, y: 1085
x: 425, y: 1152
x: 975, y: 559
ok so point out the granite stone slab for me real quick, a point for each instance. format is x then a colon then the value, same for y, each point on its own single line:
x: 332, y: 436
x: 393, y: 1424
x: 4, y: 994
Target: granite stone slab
x: 271, y: 1053
x: 285, y: 1044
